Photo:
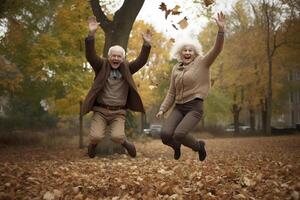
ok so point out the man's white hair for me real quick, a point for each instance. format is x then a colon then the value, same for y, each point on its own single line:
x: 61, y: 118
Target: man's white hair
x: 181, y: 43
x: 116, y: 48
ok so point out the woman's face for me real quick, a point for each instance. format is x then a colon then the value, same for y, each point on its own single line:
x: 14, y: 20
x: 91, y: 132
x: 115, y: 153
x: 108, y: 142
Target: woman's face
x: 187, y: 54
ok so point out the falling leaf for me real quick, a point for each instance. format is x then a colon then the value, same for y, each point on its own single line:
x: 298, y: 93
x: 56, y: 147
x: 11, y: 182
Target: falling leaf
x: 173, y: 11
x: 172, y: 40
x: 174, y: 26
x: 163, y: 6
x: 167, y: 13
x: 183, y: 23
x: 208, y: 2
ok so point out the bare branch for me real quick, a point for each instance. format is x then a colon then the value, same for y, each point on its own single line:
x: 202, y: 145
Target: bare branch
x: 100, y: 16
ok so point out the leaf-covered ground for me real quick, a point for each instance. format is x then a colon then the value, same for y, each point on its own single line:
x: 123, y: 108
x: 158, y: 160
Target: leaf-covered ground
x: 236, y: 168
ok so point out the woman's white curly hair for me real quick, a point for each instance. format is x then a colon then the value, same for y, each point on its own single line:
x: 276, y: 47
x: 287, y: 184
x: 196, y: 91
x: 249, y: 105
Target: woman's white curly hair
x: 179, y: 45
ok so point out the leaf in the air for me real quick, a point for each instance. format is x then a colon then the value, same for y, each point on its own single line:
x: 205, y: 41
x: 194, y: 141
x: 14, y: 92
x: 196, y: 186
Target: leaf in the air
x: 183, y: 23
x: 208, y: 2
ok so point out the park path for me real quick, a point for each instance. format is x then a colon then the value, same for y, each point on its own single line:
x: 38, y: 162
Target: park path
x: 236, y: 168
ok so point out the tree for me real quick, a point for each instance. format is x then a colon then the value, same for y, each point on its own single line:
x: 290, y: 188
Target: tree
x: 274, y: 14
x: 61, y: 50
x: 24, y: 23
x: 117, y: 30
x: 10, y: 76
x: 230, y: 72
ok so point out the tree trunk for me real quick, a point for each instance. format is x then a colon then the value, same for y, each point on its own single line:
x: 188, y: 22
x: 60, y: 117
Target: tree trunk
x: 269, y: 100
x: 117, y: 31
x: 236, y: 113
x: 264, y: 115
x: 252, y: 119
x: 269, y: 55
x: 80, y: 126
x: 120, y: 38
x: 143, y: 122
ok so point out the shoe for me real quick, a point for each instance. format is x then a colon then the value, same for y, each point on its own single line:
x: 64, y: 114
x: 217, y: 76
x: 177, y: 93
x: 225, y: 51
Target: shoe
x: 130, y: 148
x: 202, y: 152
x: 177, y: 153
x: 92, y: 150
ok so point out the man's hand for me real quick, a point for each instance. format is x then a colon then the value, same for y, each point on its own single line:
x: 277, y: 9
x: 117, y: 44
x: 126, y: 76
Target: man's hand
x: 93, y: 25
x: 159, y: 114
x: 147, y: 37
x: 220, y: 21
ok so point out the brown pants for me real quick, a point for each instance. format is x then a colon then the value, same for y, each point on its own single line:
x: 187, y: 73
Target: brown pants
x: 182, y: 120
x: 107, y: 122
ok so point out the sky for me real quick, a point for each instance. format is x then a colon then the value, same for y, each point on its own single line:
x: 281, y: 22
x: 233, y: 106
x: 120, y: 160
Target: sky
x: 152, y: 15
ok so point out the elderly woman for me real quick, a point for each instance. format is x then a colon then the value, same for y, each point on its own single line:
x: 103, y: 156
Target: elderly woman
x: 189, y: 86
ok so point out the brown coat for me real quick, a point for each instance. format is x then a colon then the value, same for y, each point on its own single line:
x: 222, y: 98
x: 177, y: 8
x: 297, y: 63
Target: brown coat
x: 102, y: 69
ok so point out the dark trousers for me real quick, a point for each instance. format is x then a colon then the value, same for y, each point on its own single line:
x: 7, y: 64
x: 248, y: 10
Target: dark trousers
x: 182, y: 120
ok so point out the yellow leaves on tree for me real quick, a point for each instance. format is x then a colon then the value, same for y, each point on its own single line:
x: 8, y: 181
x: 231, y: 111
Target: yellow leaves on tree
x: 10, y: 76
x: 59, y: 57
x: 157, y: 67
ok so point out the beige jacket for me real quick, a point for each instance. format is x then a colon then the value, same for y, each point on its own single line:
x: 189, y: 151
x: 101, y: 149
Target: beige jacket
x: 193, y: 80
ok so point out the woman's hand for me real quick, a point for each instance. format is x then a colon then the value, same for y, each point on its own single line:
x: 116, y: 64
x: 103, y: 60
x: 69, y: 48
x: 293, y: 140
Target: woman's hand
x: 159, y: 114
x: 93, y: 25
x: 220, y: 21
x: 147, y: 37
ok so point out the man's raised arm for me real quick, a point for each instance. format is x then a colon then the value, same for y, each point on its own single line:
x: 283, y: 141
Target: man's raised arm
x: 90, y: 52
x: 141, y: 60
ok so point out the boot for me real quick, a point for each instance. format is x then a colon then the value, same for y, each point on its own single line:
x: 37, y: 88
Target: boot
x: 92, y: 150
x: 177, y: 153
x: 130, y: 148
x: 202, y: 152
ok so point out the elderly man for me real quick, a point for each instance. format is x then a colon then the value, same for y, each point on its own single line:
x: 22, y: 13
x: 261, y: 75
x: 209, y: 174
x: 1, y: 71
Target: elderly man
x: 113, y: 91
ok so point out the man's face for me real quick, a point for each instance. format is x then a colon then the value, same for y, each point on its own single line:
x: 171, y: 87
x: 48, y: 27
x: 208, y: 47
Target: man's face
x: 187, y: 54
x: 115, y: 58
